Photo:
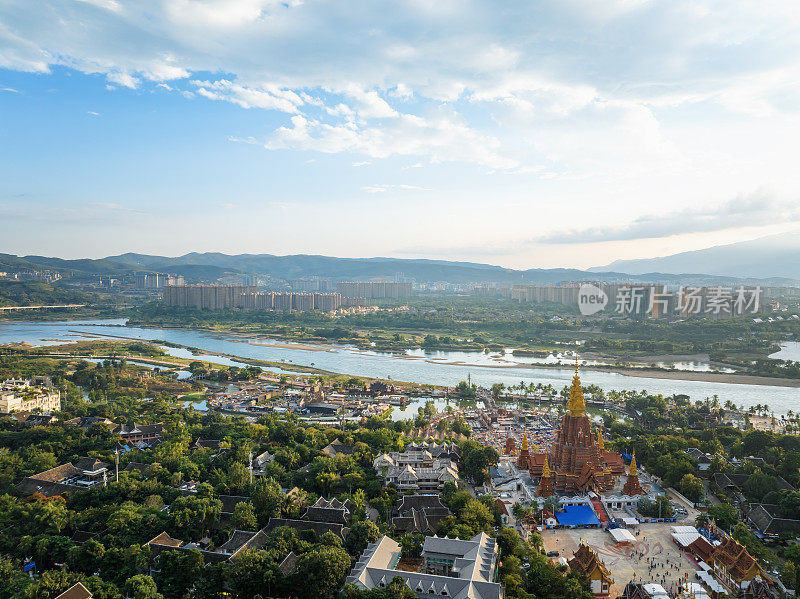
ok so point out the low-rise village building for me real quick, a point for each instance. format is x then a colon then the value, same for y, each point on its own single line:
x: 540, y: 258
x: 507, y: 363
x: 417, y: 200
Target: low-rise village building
x: 37, y: 394
x: 136, y: 432
x: 76, y: 591
x: 67, y: 478
x: 419, y: 513
x: 418, y: 469
x: 450, y: 568
x: 240, y: 541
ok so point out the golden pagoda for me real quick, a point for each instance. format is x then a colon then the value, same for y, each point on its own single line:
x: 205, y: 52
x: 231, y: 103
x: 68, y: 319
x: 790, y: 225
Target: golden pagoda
x: 577, y: 460
x: 545, y: 488
x: 576, y: 404
x: 632, y: 486
x: 524, y: 454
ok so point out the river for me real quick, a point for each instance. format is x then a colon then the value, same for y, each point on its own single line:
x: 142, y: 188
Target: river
x: 445, y: 369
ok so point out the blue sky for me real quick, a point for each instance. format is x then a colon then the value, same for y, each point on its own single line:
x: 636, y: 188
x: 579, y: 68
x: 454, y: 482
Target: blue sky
x: 527, y: 134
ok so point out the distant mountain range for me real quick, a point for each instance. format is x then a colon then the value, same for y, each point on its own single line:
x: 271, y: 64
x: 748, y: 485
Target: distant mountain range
x: 767, y: 257
x: 204, y: 267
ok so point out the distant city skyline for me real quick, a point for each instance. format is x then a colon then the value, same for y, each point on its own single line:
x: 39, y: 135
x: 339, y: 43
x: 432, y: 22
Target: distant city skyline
x: 544, y: 134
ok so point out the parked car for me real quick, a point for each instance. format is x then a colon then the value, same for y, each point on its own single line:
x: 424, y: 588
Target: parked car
x: 552, y: 554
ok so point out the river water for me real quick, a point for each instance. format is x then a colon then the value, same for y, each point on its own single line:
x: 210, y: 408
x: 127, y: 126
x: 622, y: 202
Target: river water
x: 416, y: 367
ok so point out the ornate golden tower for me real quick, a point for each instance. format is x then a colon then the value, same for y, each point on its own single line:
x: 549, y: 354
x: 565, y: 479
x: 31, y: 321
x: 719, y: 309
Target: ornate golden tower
x: 576, y: 404
x: 632, y: 486
x: 545, y: 488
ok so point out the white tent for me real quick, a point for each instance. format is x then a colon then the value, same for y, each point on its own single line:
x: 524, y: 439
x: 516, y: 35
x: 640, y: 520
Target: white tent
x: 655, y: 591
x: 621, y: 535
x: 630, y: 522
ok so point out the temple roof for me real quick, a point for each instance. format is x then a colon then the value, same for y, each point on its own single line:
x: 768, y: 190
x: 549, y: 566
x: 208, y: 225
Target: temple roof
x: 585, y: 561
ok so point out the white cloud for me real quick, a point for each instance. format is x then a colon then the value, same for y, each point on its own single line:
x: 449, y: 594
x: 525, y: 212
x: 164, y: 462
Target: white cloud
x: 385, y: 188
x: 93, y: 113
x: 267, y: 97
x: 442, y: 138
x: 9, y: 89
x: 123, y: 78
x: 111, y: 5
x: 362, y: 163
x: 751, y: 210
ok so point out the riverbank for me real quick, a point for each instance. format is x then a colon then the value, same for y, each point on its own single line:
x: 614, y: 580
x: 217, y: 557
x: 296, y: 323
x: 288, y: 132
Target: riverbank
x: 706, y: 377
x: 638, y: 372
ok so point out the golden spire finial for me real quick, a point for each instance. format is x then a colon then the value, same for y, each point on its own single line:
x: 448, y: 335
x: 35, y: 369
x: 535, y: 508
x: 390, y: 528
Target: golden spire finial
x: 632, y: 470
x: 525, y: 442
x: 600, y: 441
x: 545, y: 468
x: 576, y: 405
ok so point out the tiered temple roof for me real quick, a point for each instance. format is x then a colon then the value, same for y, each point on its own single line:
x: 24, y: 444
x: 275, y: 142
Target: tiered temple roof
x: 586, y: 562
x: 735, y: 559
x: 577, y: 459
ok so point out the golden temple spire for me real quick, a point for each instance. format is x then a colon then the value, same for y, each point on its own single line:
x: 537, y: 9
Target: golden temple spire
x: 600, y: 441
x: 632, y: 469
x: 576, y: 405
x: 545, y: 468
x: 525, y: 442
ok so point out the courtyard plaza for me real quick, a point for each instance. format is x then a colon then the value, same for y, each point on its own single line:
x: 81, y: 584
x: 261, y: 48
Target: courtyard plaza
x: 653, y: 557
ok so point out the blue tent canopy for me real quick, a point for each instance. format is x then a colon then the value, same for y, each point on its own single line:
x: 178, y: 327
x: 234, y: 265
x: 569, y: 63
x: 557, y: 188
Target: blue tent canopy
x: 577, y: 515
x: 627, y: 457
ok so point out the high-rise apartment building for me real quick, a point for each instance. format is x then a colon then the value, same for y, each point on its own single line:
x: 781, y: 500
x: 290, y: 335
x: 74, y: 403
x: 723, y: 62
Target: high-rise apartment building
x: 375, y: 289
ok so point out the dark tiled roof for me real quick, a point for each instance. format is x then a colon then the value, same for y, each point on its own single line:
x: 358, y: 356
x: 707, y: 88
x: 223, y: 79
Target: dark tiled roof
x: 137, y: 466
x: 58, y: 473
x: 419, y: 502
x: 336, y: 447
x: 90, y: 464
x: 289, y: 564
x: 229, y: 502
x: 319, y: 528
x: 768, y: 520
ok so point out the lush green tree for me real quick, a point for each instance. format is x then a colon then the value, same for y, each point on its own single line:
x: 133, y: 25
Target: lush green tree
x: 254, y: 573
x: 322, y: 571
x: 759, y: 485
x: 142, y: 586
x: 359, y: 535
x: 691, y: 487
x: 178, y: 571
x: 192, y: 516
x: 244, y: 516
x: 724, y: 514
x: 658, y: 508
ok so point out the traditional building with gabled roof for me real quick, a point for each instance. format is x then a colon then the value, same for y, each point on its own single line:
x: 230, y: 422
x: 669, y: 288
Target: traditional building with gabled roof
x: 333, y: 510
x: 66, y: 478
x: 585, y: 562
x: 419, y: 513
x: 336, y: 448
x: 451, y: 568
x: 733, y: 565
x: 416, y: 469
x: 76, y: 591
